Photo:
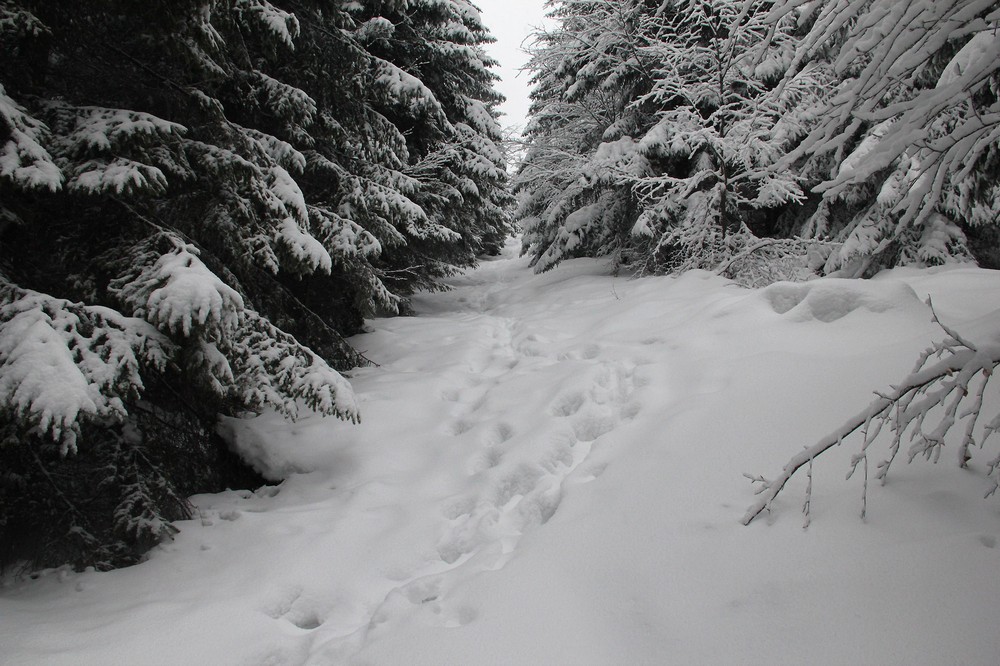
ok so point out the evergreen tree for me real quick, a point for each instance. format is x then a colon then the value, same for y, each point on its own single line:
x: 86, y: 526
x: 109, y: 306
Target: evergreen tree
x: 661, y: 126
x: 717, y: 186
x: 905, y: 154
x: 198, y: 198
x: 764, y: 140
x: 904, y: 150
x: 457, y: 167
x: 575, y: 181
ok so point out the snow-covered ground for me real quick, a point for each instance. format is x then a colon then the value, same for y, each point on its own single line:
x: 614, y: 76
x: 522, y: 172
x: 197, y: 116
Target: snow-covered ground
x: 549, y: 471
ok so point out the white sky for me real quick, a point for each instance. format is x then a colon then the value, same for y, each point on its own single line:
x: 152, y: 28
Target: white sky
x: 511, y: 21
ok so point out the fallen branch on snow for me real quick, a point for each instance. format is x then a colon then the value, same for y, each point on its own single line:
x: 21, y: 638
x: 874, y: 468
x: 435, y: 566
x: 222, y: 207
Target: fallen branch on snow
x: 942, y: 383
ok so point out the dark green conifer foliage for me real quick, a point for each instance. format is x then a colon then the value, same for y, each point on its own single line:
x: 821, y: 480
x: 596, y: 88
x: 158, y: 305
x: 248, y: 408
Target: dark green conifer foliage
x: 198, y: 199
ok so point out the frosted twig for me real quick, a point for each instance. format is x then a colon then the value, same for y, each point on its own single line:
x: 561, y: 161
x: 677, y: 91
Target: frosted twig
x: 941, y: 383
x: 807, y: 504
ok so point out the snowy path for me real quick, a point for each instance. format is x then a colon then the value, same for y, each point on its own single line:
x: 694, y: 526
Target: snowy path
x: 502, y: 480
x: 549, y: 472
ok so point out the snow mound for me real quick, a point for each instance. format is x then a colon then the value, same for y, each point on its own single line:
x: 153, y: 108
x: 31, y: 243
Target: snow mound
x: 831, y: 299
x: 262, y: 443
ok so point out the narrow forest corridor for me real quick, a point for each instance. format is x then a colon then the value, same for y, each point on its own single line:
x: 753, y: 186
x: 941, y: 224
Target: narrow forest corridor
x: 499, y: 332
x: 548, y: 470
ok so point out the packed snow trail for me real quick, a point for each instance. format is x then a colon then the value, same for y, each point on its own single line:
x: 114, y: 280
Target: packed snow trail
x: 549, y: 472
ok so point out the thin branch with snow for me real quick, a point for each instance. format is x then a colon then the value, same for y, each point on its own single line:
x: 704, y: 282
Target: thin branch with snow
x: 943, y: 383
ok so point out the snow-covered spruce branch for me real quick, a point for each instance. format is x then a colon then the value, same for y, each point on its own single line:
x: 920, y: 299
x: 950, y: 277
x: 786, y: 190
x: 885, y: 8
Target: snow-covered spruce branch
x: 741, y: 256
x: 768, y: 260
x: 956, y: 380
x: 235, y: 351
x: 62, y: 363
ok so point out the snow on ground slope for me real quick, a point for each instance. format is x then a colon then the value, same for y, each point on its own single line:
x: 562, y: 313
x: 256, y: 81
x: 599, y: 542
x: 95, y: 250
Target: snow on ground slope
x: 549, y: 471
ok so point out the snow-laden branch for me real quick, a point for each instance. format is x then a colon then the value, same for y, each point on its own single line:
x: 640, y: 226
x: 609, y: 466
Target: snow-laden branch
x: 957, y: 379
x: 23, y: 157
x: 932, y: 126
x: 62, y: 363
x: 753, y: 261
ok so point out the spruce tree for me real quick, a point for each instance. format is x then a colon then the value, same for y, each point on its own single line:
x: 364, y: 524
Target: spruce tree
x: 198, y: 199
x: 574, y: 185
x: 904, y: 150
x: 661, y: 126
x: 764, y: 140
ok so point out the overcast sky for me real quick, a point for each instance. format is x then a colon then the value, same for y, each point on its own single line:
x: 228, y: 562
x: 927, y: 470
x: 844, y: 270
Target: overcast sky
x: 511, y: 21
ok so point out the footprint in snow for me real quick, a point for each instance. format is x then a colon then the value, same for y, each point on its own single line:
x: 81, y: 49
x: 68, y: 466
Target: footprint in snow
x: 429, y: 595
x: 459, y: 427
x: 589, y: 427
x: 498, y: 434
x: 486, y: 460
x: 293, y: 607
x: 604, y: 406
x: 424, y: 590
x: 568, y: 404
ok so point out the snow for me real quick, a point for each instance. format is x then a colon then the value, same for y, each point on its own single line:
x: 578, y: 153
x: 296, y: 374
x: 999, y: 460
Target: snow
x: 866, y: 147
x: 61, y: 361
x: 288, y: 196
x: 404, y: 89
x: 344, y: 237
x: 549, y: 471
x: 283, y: 25
x: 22, y: 157
x: 831, y: 299
x: 275, y: 371
x: 103, y: 129
x: 614, y: 159
x: 180, y: 295
x: 286, y: 101
x: 375, y: 28
x: 305, y: 249
x: 485, y: 124
x: 978, y: 53
x: 119, y: 176
x: 280, y: 151
x: 40, y: 376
